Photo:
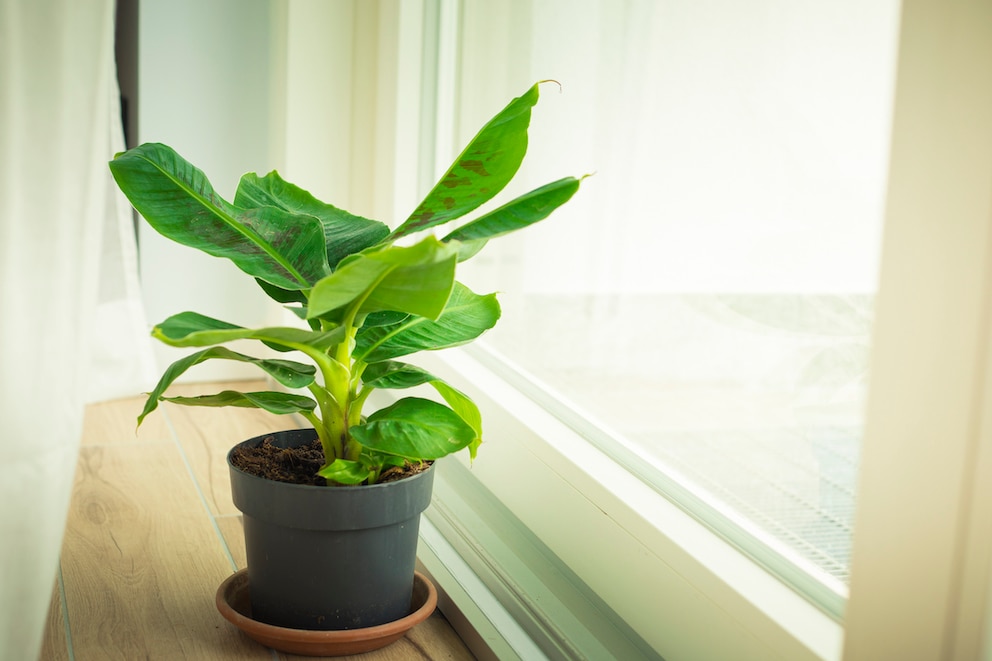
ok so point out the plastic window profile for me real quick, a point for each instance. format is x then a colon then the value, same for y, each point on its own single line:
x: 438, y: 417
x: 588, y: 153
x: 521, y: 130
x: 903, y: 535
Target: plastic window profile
x: 679, y: 586
x: 552, y: 609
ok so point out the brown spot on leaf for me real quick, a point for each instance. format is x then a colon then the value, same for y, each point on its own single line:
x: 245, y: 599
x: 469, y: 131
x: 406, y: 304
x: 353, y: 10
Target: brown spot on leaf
x: 448, y: 202
x: 478, y: 167
x: 453, y: 181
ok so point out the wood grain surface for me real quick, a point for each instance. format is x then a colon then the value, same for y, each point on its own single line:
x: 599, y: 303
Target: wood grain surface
x: 152, y: 532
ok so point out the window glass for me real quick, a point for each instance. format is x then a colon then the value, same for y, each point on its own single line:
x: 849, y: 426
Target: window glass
x: 707, y: 296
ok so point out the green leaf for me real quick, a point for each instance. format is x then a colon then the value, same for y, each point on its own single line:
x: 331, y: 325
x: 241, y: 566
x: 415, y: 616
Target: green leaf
x: 466, y: 316
x: 518, y: 213
x: 280, y: 403
x: 280, y: 295
x: 465, y: 408
x: 178, y: 201
x: 344, y: 471
x: 384, y: 318
x: 286, y: 372
x: 191, y: 329
x: 344, y: 233
x: 416, y: 280
x: 481, y: 171
x: 395, y: 375
x: 469, y: 249
x: 415, y: 428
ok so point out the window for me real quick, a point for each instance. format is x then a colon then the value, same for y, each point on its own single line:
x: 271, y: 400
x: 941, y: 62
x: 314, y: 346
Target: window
x: 587, y: 540
x: 705, y: 302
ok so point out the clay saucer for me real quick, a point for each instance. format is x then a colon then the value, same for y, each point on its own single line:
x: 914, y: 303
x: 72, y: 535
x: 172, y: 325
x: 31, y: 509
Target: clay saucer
x: 234, y: 604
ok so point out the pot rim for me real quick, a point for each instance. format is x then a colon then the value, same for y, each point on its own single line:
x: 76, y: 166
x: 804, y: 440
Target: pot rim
x: 258, y: 439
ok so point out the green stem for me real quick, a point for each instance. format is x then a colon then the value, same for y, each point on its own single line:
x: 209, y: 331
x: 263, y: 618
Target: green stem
x: 325, y: 442
x: 355, y: 411
x: 328, y: 424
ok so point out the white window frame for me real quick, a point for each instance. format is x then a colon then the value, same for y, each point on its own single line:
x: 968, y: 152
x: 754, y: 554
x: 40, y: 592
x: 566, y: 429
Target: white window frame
x: 923, y: 530
x: 922, y: 549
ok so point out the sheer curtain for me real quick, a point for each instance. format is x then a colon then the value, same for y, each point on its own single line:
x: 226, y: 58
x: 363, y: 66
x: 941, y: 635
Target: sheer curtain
x: 708, y: 295
x: 66, y: 265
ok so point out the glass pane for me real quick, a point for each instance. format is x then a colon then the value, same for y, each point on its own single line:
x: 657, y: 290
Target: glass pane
x: 707, y: 296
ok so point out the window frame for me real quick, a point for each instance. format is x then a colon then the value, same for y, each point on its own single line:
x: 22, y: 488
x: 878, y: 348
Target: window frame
x: 920, y: 570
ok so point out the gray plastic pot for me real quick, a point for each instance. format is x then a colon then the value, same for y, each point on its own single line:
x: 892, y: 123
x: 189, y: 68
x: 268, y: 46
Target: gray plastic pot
x: 329, y: 558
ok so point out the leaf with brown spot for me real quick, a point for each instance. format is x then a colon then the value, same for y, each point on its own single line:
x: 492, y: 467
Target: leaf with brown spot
x: 482, y: 170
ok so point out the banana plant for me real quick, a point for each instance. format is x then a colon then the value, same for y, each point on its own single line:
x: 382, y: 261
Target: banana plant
x: 366, y: 301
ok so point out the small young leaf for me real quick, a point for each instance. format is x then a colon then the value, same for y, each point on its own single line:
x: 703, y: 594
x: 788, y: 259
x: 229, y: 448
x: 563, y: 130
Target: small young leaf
x: 344, y: 471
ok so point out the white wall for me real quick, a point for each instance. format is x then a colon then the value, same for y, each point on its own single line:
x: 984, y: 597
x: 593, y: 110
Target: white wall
x: 325, y: 92
x: 205, y: 87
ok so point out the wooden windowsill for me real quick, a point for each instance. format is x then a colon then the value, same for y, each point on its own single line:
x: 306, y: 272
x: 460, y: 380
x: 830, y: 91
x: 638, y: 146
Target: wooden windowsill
x: 152, y: 532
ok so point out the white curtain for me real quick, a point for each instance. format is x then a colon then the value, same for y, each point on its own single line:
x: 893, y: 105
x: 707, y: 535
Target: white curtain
x: 66, y: 265
x: 708, y: 293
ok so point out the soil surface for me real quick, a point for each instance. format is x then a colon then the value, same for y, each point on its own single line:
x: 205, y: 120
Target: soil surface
x: 300, y: 465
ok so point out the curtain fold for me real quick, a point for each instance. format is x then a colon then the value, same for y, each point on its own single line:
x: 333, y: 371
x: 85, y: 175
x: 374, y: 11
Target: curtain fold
x: 59, y: 123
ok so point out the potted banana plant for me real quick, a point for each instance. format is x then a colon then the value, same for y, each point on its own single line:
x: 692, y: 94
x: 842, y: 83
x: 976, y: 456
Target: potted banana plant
x: 336, y: 552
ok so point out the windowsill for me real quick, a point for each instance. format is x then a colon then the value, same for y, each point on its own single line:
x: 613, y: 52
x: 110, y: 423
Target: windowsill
x: 152, y: 532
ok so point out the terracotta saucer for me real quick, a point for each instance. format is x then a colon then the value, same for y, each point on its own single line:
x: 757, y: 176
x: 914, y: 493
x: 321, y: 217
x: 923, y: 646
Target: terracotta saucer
x: 233, y: 603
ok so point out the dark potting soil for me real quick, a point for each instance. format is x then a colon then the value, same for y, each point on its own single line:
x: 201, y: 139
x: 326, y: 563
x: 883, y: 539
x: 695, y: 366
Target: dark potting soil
x: 300, y: 465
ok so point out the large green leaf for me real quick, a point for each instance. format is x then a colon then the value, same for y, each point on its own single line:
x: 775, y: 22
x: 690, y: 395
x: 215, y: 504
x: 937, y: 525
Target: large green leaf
x: 191, y: 329
x: 415, y: 428
x: 280, y: 403
x: 415, y: 279
x: 466, y: 316
x: 290, y: 374
x: 394, y: 375
x: 384, y: 318
x: 391, y: 374
x: 344, y: 233
x: 518, y: 213
x: 178, y: 201
x: 481, y: 171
